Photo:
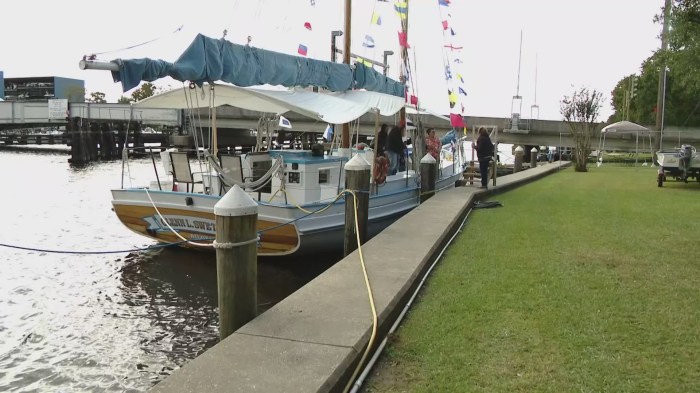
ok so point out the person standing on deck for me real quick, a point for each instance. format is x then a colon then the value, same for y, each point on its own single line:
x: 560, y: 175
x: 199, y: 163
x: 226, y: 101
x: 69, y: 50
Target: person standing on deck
x: 379, y: 145
x: 484, y: 152
x: 432, y: 143
x: 395, y: 148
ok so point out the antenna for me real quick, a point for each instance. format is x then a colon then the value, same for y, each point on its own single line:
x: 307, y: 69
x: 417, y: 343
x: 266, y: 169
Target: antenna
x: 515, y: 116
x: 534, y: 107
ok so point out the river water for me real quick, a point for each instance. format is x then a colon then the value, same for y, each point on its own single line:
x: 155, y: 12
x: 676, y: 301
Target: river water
x: 101, y: 322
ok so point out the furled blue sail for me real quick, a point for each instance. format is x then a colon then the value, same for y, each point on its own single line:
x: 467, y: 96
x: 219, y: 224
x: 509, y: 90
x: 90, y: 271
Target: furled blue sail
x: 210, y: 60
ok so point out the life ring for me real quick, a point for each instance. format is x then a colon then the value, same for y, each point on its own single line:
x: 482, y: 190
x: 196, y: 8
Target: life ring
x: 381, y: 167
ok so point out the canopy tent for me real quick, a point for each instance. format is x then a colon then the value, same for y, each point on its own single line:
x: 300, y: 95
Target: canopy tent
x: 623, y: 127
x: 333, y: 108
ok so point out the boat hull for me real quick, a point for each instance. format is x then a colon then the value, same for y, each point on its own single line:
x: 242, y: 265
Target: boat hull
x: 159, y: 214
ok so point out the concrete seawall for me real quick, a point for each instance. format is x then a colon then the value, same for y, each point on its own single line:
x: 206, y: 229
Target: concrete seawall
x: 313, y: 339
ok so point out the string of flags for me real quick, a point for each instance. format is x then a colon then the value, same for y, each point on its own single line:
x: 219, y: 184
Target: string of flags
x: 455, y: 81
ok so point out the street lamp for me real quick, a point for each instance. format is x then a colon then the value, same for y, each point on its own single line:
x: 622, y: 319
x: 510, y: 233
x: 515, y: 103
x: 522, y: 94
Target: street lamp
x: 387, y: 53
x: 334, y: 49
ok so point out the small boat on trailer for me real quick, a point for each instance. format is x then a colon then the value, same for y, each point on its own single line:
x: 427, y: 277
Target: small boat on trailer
x: 682, y: 163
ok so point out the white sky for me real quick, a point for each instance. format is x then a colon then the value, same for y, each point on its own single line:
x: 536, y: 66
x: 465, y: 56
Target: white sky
x: 592, y: 43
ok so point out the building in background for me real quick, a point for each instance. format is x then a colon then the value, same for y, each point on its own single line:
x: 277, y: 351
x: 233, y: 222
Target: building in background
x: 42, y: 89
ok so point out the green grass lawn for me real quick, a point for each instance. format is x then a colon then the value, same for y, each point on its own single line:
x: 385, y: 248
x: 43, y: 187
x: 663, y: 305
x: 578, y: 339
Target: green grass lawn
x: 582, y: 282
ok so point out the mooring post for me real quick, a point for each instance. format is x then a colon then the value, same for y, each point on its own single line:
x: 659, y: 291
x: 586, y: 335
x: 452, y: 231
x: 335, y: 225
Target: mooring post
x: 356, y: 179
x: 236, y: 260
x: 428, y: 177
x: 519, y: 154
x: 533, y: 157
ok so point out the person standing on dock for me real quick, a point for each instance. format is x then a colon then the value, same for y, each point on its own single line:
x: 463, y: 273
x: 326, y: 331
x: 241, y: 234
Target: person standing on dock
x: 484, y: 152
x: 380, y: 144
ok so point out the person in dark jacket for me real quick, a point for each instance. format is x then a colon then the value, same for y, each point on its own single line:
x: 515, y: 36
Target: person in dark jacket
x: 379, y: 145
x: 395, y: 148
x: 484, y: 152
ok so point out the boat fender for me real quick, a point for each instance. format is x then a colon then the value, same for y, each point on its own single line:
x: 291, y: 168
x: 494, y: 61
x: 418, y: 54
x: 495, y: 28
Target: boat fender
x: 381, y: 167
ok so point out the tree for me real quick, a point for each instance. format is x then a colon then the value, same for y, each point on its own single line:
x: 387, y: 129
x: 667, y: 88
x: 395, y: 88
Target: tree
x: 75, y: 94
x: 124, y: 100
x: 580, y: 112
x: 146, y: 90
x: 96, y: 97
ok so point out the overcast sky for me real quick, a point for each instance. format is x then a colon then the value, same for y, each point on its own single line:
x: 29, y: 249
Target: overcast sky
x: 592, y: 43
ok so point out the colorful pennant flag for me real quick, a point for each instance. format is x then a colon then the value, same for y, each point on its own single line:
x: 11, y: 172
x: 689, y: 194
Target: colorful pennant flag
x: 452, y: 31
x: 448, y: 72
x: 452, y: 97
x: 413, y: 100
x: 459, y: 76
x: 284, y: 122
x: 446, y: 3
x: 461, y: 91
x: 307, y: 25
x: 302, y: 49
x: 376, y: 19
x: 401, y: 8
x: 369, y: 41
x: 444, y: 25
x: 456, y: 120
x: 403, y: 39
x: 328, y: 134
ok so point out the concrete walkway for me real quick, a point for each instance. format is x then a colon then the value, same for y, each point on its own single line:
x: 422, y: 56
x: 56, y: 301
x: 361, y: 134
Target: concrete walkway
x: 312, y: 340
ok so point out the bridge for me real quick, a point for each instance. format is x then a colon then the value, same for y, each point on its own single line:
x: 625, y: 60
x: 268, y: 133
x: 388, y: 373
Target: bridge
x: 236, y: 124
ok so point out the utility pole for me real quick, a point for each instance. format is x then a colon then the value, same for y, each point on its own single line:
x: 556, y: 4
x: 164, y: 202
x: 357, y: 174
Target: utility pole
x: 660, y: 102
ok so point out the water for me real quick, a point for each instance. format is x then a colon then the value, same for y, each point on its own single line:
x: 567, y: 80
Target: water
x: 101, y: 322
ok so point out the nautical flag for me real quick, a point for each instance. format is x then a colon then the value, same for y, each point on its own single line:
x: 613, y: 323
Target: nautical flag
x: 461, y: 91
x: 284, y: 122
x: 369, y: 41
x: 452, y: 31
x: 401, y: 8
x: 452, y: 47
x: 376, y: 19
x: 328, y: 134
x: 413, y: 100
x: 452, y: 97
x: 456, y: 120
x: 446, y: 3
x: 448, y: 73
x: 403, y: 40
x: 458, y: 61
x: 302, y: 49
x: 307, y: 25
x: 459, y: 76
x: 444, y: 25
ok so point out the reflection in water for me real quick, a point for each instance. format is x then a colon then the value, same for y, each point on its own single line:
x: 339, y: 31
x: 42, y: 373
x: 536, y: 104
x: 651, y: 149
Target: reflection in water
x: 102, y: 322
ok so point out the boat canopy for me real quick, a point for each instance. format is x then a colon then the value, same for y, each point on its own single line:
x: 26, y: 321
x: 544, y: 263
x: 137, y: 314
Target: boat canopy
x: 333, y: 108
x: 210, y: 60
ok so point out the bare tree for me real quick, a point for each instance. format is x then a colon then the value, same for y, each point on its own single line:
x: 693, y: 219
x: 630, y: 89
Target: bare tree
x: 580, y: 112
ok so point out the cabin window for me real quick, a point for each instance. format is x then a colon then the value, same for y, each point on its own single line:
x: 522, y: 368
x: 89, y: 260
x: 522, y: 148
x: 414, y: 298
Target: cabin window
x: 324, y: 176
x: 294, y: 177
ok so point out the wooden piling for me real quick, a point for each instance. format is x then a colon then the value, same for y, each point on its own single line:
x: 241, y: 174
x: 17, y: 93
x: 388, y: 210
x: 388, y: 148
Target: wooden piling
x: 428, y: 177
x: 236, y: 260
x: 519, y: 154
x: 357, y: 174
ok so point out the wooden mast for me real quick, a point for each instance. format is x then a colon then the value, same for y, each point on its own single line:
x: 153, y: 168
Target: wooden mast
x: 345, y: 143
x: 404, y: 60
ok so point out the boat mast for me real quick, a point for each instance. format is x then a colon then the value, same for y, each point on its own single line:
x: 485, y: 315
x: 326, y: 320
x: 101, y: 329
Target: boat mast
x: 404, y: 60
x: 345, y: 143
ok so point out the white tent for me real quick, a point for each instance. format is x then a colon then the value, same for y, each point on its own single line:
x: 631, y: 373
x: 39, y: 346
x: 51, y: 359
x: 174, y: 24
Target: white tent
x: 623, y: 127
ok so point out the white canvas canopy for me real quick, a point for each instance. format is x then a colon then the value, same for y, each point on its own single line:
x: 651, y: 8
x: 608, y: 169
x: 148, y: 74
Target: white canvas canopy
x: 333, y: 108
x: 623, y: 127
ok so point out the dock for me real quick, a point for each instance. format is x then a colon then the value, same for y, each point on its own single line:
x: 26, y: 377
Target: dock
x: 313, y: 340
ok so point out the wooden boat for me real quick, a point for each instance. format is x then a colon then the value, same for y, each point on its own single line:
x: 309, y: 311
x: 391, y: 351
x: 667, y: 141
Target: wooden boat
x: 301, y: 205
